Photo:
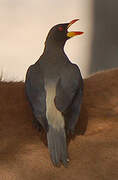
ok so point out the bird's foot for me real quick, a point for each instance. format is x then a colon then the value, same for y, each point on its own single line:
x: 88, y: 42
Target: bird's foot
x: 70, y: 133
x: 37, y: 125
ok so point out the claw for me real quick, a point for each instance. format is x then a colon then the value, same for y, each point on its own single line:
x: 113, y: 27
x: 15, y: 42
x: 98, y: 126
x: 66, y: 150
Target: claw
x: 36, y: 125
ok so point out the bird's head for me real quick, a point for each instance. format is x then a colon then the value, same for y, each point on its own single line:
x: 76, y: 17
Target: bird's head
x: 59, y: 34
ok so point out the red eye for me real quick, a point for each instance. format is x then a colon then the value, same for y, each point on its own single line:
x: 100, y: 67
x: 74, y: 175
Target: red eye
x: 60, y: 28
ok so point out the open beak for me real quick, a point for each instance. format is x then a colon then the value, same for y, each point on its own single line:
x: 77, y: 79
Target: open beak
x: 73, y: 33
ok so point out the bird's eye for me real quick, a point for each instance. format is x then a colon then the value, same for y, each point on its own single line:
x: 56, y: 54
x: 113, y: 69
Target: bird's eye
x: 60, y: 28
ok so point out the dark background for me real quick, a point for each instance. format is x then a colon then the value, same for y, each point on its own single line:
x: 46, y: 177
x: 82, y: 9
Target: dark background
x: 104, y: 53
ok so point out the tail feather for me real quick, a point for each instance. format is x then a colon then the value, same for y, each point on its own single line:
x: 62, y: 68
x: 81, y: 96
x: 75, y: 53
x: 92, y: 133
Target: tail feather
x: 57, y: 146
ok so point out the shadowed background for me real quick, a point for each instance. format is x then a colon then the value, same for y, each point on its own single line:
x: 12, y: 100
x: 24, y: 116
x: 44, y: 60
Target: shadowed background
x: 104, y: 50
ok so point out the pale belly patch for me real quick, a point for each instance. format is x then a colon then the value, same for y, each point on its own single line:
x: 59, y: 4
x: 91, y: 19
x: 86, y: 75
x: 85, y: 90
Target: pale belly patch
x: 54, y: 117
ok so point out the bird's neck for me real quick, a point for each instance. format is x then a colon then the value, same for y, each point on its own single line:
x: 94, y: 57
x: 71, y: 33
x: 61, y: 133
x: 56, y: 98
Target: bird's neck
x: 54, y: 48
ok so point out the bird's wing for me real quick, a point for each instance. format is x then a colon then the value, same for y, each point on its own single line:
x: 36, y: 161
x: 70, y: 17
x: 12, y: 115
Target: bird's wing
x: 68, y: 86
x: 35, y: 91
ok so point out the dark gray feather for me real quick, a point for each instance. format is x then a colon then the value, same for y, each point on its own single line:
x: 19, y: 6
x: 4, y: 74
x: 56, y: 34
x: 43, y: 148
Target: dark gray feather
x: 36, y: 93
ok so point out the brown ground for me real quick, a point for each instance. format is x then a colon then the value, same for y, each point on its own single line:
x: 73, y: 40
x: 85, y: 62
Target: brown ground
x: 94, y: 156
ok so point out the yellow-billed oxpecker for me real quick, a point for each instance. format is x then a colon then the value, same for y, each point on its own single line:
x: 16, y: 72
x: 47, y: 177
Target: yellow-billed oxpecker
x: 54, y: 87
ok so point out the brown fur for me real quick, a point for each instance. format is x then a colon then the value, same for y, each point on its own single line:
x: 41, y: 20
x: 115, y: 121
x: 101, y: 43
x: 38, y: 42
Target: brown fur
x: 94, y: 156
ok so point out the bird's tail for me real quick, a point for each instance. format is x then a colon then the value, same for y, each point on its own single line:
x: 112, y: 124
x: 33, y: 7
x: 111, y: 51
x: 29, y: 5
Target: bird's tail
x: 57, y: 146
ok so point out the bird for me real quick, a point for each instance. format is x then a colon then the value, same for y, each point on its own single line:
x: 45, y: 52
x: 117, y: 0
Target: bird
x: 54, y: 88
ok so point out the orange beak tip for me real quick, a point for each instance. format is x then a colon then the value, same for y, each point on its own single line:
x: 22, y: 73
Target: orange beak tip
x: 79, y: 33
x: 72, y: 22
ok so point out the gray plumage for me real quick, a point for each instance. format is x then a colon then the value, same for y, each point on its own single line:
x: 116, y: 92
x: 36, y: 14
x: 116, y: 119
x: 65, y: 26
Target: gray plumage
x: 54, y: 87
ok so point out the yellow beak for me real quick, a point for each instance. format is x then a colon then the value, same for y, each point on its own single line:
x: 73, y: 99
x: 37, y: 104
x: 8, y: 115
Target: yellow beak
x: 73, y: 33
